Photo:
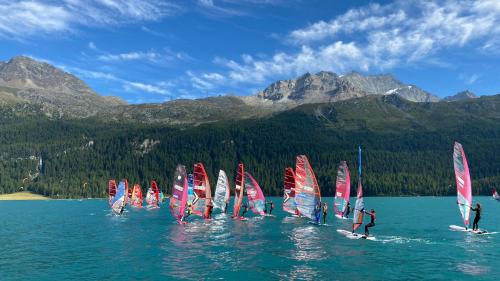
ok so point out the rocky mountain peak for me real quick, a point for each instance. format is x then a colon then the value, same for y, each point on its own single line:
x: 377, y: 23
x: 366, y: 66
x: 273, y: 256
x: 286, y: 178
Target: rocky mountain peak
x: 463, y: 95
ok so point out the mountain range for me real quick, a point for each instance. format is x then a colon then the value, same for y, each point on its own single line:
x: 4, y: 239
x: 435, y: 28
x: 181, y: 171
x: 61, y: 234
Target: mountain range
x: 59, y: 94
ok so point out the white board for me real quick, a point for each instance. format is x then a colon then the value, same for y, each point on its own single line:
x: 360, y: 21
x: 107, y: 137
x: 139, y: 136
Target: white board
x: 351, y: 235
x: 463, y: 229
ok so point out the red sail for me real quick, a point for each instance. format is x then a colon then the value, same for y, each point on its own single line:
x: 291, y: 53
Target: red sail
x: 289, y: 192
x: 202, y: 191
x: 136, y: 196
x: 238, y: 191
x: 111, y: 190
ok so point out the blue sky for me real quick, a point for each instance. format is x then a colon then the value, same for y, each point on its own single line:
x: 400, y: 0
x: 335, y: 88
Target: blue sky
x: 155, y: 51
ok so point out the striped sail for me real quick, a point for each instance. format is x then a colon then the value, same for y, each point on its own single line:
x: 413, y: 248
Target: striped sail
x: 359, y: 207
x: 222, y: 192
x: 307, y: 191
x: 238, y: 190
x: 202, y: 191
x: 343, y: 189
x: 179, y: 193
x: 111, y: 190
x: 256, y: 199
x: 464, y: 187
x: 289, y: 191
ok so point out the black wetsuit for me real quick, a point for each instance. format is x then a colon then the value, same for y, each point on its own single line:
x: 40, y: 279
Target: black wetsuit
x: 271, y: 207
x: 245, y: 210
x: 225, y: 209
x: 372, y: 222
x: 477, y: 218
x: 347, y: 211
x: 325, y: 213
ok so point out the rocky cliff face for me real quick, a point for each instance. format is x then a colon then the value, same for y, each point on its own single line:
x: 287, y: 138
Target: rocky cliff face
x: 330, y: 87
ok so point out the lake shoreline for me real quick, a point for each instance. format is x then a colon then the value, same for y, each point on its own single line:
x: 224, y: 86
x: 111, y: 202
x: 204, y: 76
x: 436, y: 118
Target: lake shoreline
x: 24, y: 195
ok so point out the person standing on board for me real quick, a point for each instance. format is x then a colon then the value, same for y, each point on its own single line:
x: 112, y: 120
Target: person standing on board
x: 225, y: 209
x: 347, y: 210
x: 245, y: 209
x: 372, y: 221
x: 317, y: 212
x: 478, y: 216
x: 189, y: 211
x: 210, y: 208
x: 271, y: 207
x: 325, y: 212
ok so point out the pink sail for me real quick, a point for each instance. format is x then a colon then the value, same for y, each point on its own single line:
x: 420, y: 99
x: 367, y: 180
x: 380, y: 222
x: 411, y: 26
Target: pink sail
x: 462, y: 178
x: 343, y: 189
x: 137, y: 199
x: 202, y: 191
x: 289, y: 192
x: 238, y: 191
x: 179, y: 193
x: 255, y: 197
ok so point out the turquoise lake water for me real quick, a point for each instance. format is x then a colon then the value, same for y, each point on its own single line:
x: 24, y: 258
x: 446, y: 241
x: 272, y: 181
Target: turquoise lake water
x: 81, y: 240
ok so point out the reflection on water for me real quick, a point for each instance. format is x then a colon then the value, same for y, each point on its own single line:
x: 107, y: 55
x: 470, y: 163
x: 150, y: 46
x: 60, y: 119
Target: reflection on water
x: 308, y: 246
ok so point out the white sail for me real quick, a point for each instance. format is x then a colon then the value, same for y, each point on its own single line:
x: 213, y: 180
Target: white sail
x: 222, y: 193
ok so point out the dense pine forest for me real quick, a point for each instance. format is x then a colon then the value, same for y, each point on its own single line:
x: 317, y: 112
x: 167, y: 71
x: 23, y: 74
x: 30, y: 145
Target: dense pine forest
x: 407, y: 148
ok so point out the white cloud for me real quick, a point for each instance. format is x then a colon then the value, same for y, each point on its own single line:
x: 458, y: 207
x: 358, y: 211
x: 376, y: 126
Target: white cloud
x: 149, y: 88
x: 92, y: 46
x: 22, y: 19
x: 148, y: 56
x: 377, y: 37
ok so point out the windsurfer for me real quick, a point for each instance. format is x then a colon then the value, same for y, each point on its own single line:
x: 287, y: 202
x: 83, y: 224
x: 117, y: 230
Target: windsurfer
x: 347, y: 210
x: 210, y: 207
x: 245, y: 209
x: 225, y: 209
x: 372, y: 221
x: 478, y: 210
x: 325, y: 212
x: 317, y: 212
x: 189, y: 211
x: 271, y: 207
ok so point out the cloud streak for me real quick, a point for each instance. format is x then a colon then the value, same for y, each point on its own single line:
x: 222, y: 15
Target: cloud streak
x: 22, y: 19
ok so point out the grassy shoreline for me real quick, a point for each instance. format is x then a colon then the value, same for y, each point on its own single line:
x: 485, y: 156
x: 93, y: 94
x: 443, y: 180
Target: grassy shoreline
x: 24, y: 195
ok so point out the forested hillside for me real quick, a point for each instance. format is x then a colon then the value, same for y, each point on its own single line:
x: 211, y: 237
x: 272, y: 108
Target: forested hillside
x: 407, y: 147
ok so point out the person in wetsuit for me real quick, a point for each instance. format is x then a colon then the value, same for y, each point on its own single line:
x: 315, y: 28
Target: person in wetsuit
x: 347, y: 210
x: 210, y: 208
x: 189, y: 212
x: 325, y: 212
x: 271, y: 207
x: 317, y: 212
x: 478, y: 216
x: 245, y: 209
x: 372, y: 221
x: 225, y: 209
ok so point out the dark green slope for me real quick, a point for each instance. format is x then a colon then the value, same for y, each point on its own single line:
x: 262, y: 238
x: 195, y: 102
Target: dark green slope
x: 407, y: 147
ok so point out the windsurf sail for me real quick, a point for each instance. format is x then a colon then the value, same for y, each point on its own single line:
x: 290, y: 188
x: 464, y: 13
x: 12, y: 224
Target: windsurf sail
x: 118, y: 202
x: 462, y: 178
x: 153, y: 197
x: 495, y: 195
x: 238, y: 190
x: 179, y: 193
x: 359, y: 207
x: 111, y: 190
x: 256, y: 199
x: 289, y: 191
x: 222, y: 192
x: 129, y: 195
x: 137, y: 196
x: 343, y: 189
x: 190, y: 189
x: 307, y: 191
x: 202, y: 192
